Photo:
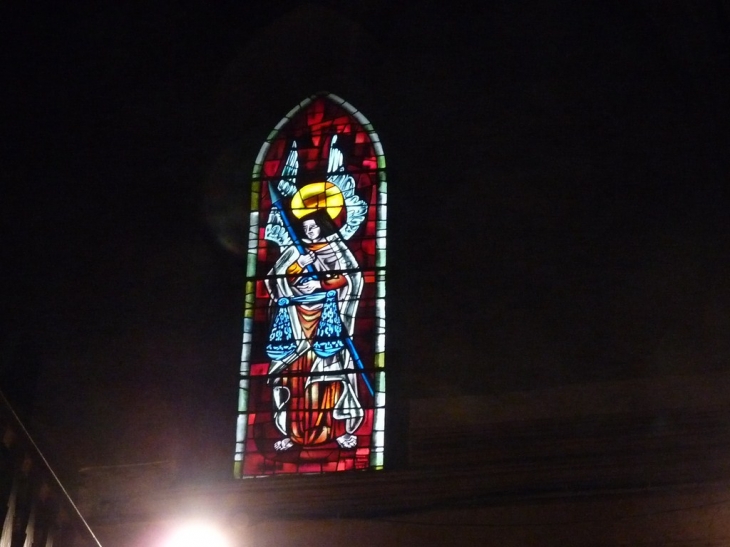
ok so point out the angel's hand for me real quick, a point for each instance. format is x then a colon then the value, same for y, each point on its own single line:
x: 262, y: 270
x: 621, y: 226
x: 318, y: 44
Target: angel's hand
x: 309, y: 286
x: 306, y: 259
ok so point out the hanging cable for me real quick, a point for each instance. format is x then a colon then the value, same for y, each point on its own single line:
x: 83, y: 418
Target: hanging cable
x: 48, y: 466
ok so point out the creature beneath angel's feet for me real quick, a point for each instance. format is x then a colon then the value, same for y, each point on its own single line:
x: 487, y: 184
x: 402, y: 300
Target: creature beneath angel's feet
x: 283, y: 444
x: 347, y: 441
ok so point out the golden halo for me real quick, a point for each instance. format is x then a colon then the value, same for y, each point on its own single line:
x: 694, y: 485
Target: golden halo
x: 315, y: 196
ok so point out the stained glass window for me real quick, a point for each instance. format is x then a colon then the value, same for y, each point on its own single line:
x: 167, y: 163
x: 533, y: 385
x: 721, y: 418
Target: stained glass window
x: 312, y: 386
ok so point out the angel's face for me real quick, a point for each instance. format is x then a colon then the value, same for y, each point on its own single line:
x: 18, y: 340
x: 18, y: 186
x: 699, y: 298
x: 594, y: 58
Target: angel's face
x: 311, y: 229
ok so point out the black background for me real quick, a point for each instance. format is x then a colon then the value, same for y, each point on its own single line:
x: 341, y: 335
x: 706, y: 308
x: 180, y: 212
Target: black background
x: 558, y: 201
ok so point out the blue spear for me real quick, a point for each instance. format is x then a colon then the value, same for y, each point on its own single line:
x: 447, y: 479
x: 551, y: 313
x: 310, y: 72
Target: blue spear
x: 276, y: 201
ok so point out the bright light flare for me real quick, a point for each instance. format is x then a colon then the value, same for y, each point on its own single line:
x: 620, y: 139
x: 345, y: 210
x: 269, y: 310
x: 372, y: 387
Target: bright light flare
x: 197, y: 535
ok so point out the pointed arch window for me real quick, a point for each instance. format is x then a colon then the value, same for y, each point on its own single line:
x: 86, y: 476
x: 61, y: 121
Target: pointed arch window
x: 312, y: 386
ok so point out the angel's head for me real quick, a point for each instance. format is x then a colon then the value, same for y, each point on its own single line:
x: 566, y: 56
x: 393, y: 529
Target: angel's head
x: 317, y: 225
x: 311, y: 229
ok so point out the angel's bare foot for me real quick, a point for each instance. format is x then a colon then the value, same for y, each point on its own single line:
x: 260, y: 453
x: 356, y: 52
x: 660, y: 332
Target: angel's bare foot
x: 347, y: 441
x: 283, y: 444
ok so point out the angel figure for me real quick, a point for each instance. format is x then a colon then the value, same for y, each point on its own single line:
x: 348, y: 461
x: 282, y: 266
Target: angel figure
x: 315, y: 286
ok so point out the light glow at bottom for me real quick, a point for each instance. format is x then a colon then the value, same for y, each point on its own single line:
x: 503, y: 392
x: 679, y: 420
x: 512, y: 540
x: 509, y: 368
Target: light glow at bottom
x: 197, y: 534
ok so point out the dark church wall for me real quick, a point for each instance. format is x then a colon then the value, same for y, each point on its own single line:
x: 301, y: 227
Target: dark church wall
x: 556, y: 180
x: 557, y: 207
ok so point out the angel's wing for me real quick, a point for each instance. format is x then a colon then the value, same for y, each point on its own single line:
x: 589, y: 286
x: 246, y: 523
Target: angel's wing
x: 275, y: 231
x: 288, y: 183
x: 356, y: 208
